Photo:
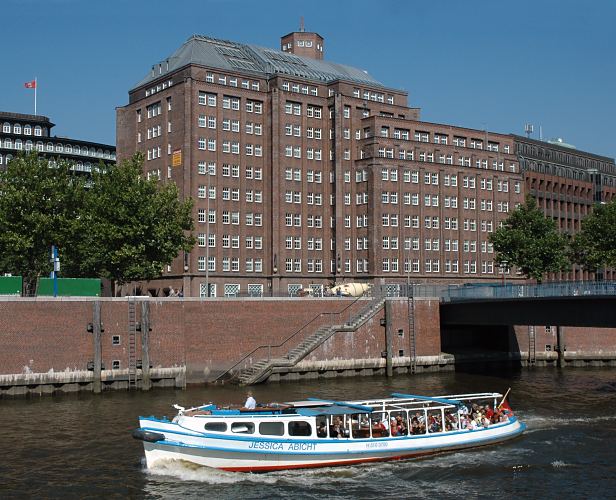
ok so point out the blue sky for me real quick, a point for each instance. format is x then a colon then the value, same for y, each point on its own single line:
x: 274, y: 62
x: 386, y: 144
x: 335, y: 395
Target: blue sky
x: 484, y: 63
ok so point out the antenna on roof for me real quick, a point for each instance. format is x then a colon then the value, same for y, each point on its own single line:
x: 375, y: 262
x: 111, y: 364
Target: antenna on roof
x: 301, y: 24
x: 528, y: 128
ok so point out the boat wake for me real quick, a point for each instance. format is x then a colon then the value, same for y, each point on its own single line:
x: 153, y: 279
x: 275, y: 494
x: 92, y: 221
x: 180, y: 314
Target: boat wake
x: 188, y: 471
x: 542, y: 423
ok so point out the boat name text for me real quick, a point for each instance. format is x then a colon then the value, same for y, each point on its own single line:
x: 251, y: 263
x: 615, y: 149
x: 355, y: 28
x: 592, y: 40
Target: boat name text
x: 269, y: 445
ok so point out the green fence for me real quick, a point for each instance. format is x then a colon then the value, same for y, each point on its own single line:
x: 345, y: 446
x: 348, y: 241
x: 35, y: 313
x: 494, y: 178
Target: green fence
x: 10, y: 285
x: 80, y: 287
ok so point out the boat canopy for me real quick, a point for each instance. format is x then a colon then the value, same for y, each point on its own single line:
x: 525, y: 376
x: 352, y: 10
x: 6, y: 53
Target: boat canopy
x: 444, y: 401
x: 361, y: 408
x: 339, y: 409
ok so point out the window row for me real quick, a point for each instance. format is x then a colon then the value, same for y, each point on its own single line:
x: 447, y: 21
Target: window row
x: 232, y: 81
x: 230, y: 102
x: 26, y: 129
x: 209, y: 168
x: 50, y: 147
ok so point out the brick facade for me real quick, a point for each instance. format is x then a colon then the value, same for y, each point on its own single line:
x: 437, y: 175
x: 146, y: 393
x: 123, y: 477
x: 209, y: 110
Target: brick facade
x: 308, y: 177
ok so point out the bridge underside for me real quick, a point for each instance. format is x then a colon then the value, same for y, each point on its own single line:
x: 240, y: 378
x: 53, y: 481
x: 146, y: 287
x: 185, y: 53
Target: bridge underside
x: 591, y: 311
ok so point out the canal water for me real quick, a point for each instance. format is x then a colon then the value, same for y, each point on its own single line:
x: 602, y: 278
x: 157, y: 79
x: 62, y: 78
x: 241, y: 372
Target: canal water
x: 79, y: 446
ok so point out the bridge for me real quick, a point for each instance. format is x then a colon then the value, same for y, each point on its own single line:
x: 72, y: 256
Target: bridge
x: 581, y: 304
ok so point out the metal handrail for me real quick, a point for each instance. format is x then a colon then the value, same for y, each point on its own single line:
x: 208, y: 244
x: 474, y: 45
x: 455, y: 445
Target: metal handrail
x: 269, y: 346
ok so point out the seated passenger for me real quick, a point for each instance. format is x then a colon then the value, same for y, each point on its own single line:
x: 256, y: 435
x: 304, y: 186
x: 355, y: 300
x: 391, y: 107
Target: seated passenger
x: 393, y: 426
x: 322, y: 430
x: 402, y: 431
x: 250, y: 403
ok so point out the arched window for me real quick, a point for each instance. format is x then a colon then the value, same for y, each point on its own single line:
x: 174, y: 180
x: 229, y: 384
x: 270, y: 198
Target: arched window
x: 40, y: 146
x: 49, y: 146
x: 17, y: 128
x: 6, y: 128
x: 59, y: 148
x: 106, y: 155
x: 38, y: 131
x: 8, y: 158
x: 8, y: 143
x: 1, y: 159
x: 18, y: 144
x: 28, y: 145
x: 68, y: 148
x: 27, y: 130
x: 77, y: 150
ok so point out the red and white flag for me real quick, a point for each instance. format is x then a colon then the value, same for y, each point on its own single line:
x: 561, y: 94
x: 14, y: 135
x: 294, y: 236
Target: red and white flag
x: 30, y: 85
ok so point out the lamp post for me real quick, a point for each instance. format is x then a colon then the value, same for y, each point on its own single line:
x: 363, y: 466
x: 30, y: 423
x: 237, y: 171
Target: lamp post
x: 504, y: 267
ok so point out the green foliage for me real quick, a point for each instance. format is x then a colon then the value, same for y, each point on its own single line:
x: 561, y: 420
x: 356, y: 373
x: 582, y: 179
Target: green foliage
x: 116, y: 225
x: 39, y: 206
x: 136, y: 227
x: 531, y: 242
x: 594, y: 246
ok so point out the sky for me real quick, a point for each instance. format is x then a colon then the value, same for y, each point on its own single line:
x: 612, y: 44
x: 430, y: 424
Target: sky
x: 472, y: 63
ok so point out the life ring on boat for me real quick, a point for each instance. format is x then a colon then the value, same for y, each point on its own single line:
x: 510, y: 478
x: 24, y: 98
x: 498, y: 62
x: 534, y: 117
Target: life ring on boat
x: 149, y: 436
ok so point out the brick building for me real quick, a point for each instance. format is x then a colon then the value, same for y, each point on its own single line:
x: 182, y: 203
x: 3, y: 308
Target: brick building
x: 22, y: 133
x: 566, y: 183
x: 306, y: 172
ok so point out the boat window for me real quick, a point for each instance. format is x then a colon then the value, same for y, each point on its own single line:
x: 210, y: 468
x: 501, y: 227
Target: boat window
x: 322, y: 427
x: 243, y: 427
x: 271, y: 428
x: 418, y: 422
x: 339, y: 427
x: 434, y: 421
x: 399, y: 423
x: 379, y: 424
x: 300, y: 428
x: 360, y: 426
x: 216, y: 426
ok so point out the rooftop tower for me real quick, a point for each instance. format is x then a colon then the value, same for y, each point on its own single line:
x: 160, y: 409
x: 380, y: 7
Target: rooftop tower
x: 303, y: 43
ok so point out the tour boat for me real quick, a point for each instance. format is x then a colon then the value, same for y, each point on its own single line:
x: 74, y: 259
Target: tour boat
x: 324, y: 433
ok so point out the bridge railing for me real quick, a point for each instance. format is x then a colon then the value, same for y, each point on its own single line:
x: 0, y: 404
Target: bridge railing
x: 515, y: 290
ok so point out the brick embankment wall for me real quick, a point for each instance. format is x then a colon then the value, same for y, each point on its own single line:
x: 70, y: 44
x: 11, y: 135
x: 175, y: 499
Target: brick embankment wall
x: 45, y: 344
x: 582, y: 346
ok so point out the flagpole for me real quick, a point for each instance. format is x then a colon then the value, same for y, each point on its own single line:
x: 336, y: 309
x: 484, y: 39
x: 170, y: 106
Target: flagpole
x: 35, y: 89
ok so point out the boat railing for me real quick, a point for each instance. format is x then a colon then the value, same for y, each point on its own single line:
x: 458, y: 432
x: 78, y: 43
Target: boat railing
x: 267, y: 351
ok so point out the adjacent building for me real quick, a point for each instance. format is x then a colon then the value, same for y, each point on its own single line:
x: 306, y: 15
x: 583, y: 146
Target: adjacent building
x: 22, y: 133
x: 306, y: 173
x: 566, y: 183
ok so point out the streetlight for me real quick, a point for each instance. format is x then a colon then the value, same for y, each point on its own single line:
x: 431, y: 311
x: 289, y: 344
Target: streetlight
x: 504, y: 266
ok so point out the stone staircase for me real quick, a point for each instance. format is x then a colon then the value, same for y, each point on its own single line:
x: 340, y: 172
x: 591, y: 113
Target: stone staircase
x: 261, y: 370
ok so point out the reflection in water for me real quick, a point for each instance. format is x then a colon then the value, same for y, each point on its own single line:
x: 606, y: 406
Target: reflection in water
x: 80, y: 445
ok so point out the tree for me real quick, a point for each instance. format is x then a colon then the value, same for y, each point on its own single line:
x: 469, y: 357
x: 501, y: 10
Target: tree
x: 594, y: 246
x: 134, y: 226
x: 40, y: 204
x: 531, y: 242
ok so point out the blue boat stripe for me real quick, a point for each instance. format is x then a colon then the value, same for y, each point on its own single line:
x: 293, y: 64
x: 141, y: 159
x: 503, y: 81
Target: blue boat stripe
x: 325, y: 440
x: 394, y: 451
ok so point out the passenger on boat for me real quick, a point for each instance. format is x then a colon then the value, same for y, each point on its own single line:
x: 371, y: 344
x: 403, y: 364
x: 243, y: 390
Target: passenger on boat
x: 489, y: 413
x: 322, y: 430
x: 250, y: 403
x: 401, y: 426
x: 338, y: 430
x: 394, y: 427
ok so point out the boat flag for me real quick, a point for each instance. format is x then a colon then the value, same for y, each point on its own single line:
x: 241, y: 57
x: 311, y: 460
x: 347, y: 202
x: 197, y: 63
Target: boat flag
x: 32, y: 85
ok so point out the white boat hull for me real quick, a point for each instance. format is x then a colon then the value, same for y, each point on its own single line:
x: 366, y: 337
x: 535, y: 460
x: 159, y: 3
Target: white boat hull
x: 262, y: 454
